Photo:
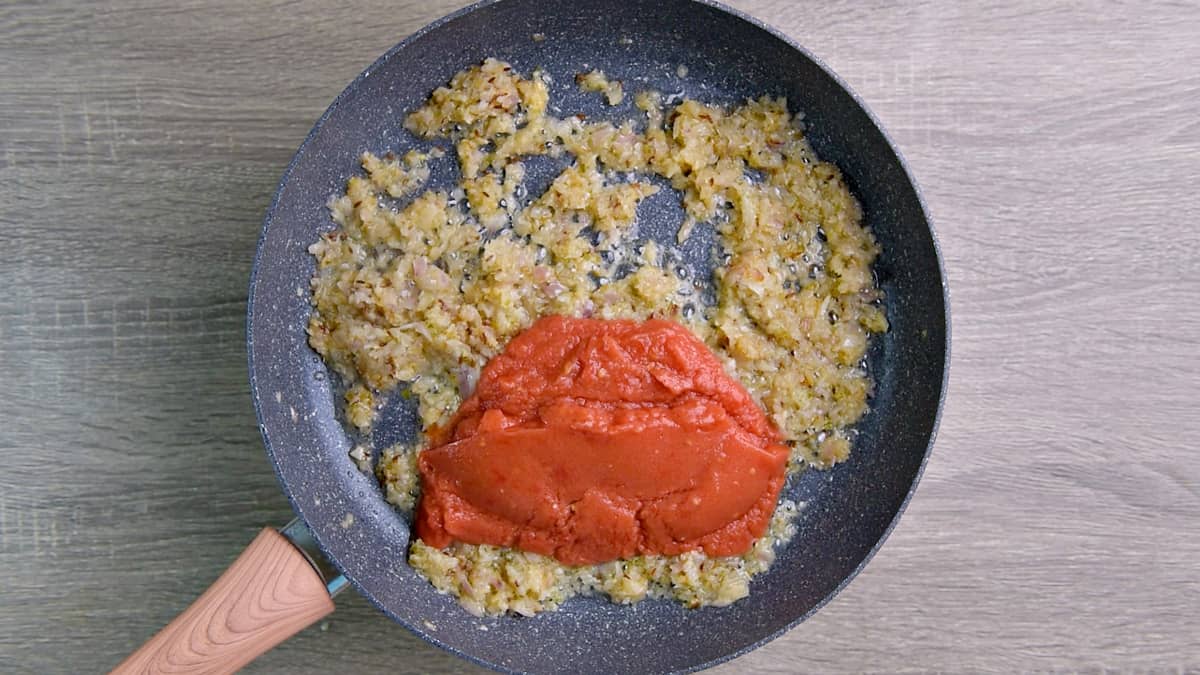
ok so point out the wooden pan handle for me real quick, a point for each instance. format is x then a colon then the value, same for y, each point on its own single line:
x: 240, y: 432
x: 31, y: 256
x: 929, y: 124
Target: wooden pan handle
x: 270, y: 593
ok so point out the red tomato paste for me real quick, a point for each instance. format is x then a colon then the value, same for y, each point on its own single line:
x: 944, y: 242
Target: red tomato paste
x: 591, y: 440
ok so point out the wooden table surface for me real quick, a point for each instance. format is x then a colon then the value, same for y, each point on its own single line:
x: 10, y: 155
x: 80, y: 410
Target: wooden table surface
x: 1058, y: 145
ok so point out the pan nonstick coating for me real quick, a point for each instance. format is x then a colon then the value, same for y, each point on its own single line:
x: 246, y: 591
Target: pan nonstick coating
x: 728, y: 57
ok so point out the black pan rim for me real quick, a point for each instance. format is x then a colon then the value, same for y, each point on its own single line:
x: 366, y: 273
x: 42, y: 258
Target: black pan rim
x: 733, y: 13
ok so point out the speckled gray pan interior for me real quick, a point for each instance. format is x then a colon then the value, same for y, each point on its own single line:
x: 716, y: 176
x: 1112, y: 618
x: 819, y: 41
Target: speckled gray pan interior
x: 850, y: 509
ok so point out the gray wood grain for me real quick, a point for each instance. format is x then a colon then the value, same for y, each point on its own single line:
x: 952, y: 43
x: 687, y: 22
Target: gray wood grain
x: 1058, y: 145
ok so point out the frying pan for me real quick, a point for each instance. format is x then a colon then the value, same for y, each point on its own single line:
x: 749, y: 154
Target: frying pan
x: 272, y: 590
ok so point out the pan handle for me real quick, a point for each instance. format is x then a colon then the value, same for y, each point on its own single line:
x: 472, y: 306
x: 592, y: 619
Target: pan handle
x: 271, y: 592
